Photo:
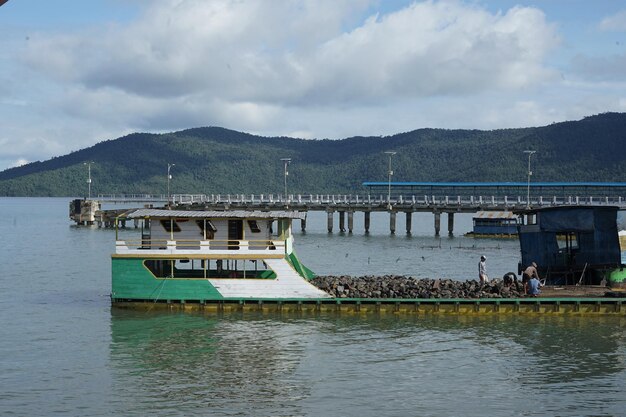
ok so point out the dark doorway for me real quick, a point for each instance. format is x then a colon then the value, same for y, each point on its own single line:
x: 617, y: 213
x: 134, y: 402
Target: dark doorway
x: 235, y: 233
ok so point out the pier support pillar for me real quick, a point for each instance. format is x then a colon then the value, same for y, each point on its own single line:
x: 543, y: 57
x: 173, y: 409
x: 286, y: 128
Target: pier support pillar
x: 342, y: 221
x: 367, y: 221
x: 409, y: 216
x: 450, y: 224
x: 329, y: 221
x: 350, y: 221
x: 437, y: 223
x: 392, y: 222
x: 303, y: 225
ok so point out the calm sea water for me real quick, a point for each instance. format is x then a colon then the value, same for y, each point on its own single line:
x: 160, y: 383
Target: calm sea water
x: 65, y: 351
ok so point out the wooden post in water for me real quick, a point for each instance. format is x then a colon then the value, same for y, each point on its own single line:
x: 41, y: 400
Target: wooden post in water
x: 450, y: 223
x: 350, y: 221
x: 303, y: 225
x: 392, y: 222
x: 408, y: 222
x: 329, y: 221
x: 367, y: 221
x: 342, y: 221
x: 437, y: 223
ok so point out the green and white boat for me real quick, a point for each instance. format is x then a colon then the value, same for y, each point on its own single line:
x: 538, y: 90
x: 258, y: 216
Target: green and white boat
x: 238, y: 260
x: 202, y: 256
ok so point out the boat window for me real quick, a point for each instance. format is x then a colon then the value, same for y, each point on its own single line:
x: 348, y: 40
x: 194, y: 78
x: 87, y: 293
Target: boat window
x: 160, y: 268
x: 567, y: 240
x: 170, y: 225
x: 210, y: 230
x: 209, y: 268
x: 254, y: 227
x: 239, y: 269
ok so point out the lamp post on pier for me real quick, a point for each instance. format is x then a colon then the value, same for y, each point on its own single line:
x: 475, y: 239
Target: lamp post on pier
x: 530, y: 153
x: 286, y: 162
x: 390, y: 153
x: 88, y: 178
x: 169, y: 177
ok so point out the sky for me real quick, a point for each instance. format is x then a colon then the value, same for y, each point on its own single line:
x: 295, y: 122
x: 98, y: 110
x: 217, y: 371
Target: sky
x: 74, y: 73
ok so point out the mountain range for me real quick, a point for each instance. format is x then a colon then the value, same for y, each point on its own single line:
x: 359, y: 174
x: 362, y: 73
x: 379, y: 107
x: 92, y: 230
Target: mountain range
x: 213, y: 160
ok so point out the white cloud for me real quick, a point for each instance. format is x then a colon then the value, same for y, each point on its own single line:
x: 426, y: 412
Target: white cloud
x: 255, y: 51
x: 615, y: 22
x: 313, y: 68
x: 19, y: 163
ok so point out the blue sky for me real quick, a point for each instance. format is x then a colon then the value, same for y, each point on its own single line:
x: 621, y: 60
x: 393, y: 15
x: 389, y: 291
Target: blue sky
x: 74, y: 73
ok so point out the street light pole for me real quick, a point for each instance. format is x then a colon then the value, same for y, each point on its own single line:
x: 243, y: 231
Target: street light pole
x: 530, y: 153
x: 88, y: 178
x: 390, y: 153
x: 286, y: 162
x: 169, y: 177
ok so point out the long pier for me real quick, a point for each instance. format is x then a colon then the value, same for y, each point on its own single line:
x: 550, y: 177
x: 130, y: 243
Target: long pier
x: 346, y: 205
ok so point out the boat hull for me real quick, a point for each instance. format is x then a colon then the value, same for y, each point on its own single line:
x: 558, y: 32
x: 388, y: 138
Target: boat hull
x: 527, y: 306
x: 132, y: 280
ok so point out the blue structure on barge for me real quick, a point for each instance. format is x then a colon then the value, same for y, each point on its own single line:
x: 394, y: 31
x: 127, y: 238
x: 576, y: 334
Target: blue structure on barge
x: 571, y: 245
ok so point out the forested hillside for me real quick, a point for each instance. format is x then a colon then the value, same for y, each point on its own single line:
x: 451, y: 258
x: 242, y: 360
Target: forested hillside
x: 216, y: 160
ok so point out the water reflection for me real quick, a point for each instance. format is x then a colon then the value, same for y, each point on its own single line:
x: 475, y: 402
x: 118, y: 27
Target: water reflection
x: 197, y: 363
x: 305, y: 365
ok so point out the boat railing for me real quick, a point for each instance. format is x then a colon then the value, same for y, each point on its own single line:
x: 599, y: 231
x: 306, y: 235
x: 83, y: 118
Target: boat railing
x: 227, y: 245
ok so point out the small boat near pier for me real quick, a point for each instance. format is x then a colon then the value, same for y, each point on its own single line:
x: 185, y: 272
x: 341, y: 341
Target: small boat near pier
x: 495, y: 224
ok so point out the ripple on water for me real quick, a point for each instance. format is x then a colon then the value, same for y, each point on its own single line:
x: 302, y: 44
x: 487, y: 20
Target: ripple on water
x: 63, y: 350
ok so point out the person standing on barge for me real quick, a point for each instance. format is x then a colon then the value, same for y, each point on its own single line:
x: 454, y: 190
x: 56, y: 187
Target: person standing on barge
x: 482, y: 270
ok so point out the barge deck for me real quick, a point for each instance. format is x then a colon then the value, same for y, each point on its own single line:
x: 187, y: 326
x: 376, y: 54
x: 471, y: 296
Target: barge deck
x: 613, y: 306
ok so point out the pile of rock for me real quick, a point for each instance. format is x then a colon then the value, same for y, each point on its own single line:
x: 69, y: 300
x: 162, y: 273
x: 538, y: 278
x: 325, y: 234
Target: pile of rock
x: 399, y: 286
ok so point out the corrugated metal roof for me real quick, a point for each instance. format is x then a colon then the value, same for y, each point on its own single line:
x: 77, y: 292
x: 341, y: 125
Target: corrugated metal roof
x: 494, y: 215
x: 243, y: 214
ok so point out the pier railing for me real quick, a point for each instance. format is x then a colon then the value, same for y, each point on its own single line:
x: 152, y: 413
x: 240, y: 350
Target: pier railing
x: 322, y: 201
x: 350, y: 203
x: 373, y: 202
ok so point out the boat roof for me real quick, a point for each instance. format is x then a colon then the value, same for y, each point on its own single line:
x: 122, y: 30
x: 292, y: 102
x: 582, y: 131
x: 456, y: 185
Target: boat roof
x: 205, y: 214
x: 494, y: 215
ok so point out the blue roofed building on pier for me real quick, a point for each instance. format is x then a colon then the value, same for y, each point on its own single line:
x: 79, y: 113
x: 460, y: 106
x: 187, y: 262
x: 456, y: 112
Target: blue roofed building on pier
x: 464, y: 189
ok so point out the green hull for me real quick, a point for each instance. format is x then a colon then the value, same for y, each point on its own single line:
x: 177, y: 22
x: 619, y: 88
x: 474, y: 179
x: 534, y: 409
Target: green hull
x: 132, y: 281
x: 304, y: 272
